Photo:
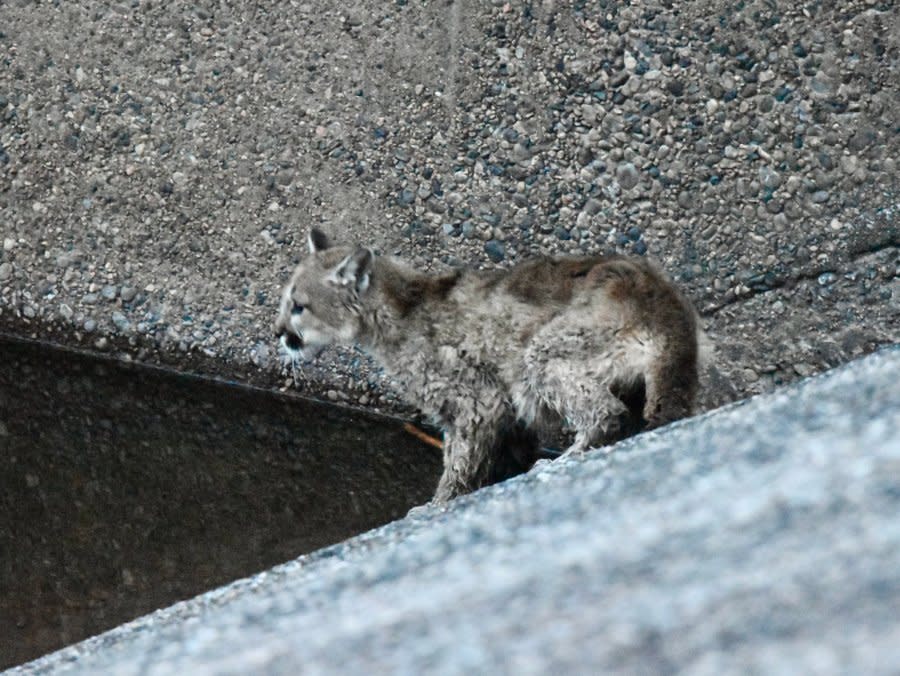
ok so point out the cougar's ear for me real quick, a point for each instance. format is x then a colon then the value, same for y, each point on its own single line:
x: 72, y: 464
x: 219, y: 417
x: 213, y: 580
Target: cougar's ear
x: 354, y: 270
x: 318, y: 240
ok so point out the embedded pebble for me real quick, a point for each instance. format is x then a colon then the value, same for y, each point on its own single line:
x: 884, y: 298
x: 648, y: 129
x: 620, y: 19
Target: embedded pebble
x: 495, y: 250
x: 121, y: 322
x: 627, y: 175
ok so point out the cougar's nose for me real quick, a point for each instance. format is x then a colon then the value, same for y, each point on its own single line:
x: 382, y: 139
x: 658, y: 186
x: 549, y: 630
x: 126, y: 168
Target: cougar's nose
x: 288, y: 337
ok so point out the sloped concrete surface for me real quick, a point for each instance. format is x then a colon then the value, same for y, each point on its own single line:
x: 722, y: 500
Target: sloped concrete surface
x: 760, y: 538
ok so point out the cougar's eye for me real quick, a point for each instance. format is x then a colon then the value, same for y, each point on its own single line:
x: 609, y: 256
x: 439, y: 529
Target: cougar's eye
x: 297, y: 309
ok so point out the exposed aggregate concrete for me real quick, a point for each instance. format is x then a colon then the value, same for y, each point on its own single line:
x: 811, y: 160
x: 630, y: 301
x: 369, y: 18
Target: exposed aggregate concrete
x: 161, y: 163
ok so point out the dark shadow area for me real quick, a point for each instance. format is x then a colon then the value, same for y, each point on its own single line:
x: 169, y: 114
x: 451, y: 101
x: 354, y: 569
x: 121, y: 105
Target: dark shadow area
x: 124, y: 489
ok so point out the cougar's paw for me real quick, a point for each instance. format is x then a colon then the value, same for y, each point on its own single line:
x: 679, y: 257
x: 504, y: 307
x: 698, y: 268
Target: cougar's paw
x: 420, y: 510
x: 575, y: 451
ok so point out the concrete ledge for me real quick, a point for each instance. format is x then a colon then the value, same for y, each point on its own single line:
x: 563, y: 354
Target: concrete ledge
x: 758, y: 538
x: 124, y: 489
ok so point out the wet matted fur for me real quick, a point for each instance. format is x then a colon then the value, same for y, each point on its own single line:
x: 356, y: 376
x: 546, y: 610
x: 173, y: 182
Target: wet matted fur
x: 504, y: 354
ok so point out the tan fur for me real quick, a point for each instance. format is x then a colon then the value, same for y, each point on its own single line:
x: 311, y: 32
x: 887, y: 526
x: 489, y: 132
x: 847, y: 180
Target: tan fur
x: 488, y: 353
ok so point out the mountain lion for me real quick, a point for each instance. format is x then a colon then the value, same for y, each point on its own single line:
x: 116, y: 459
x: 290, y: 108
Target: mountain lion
x: 485, y: 353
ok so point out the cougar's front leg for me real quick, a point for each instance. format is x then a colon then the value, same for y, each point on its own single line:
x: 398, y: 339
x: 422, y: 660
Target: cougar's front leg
x: 457, y: 477
x: 470, y: 445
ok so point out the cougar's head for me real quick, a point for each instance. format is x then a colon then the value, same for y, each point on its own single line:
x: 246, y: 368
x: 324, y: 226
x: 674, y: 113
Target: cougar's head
x: 322, y: 301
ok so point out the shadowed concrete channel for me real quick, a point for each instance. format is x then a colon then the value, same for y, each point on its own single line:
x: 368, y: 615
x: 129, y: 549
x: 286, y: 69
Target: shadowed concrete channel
x: 759, y: 538
x: 124, y: 489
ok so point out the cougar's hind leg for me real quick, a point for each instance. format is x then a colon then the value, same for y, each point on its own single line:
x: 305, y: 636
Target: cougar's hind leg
x: 594, y: 415
x: 575, y: 384
x: 671, y: 383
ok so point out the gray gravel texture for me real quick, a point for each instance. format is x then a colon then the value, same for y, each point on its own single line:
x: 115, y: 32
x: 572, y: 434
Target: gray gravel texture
x: 161, y: 163
x: 760, y: 538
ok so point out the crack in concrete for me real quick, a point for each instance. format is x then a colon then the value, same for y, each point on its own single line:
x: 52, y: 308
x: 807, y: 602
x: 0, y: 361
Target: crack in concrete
x: 792, y: 281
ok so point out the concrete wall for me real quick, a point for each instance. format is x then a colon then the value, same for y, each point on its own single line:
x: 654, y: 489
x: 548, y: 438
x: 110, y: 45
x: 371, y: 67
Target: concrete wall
x: 161, y: 163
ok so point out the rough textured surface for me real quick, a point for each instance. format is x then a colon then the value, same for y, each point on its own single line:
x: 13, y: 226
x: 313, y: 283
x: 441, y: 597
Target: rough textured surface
x: 160, y: 164
x: 761, y: 538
